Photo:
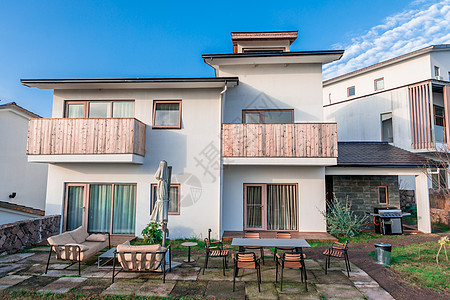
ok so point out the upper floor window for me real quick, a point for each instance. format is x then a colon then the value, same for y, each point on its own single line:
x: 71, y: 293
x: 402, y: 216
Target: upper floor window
x: 99, y: 109
x: 379, y: 84
x: 448, y: 76
x: 386, y: 128
x: 167, y: 114
x: 439, y: 124
x: 437, y: 71
x: 351, y: 91
x: 268, y: 116
x: 266, y: 50
x: 439, y: 179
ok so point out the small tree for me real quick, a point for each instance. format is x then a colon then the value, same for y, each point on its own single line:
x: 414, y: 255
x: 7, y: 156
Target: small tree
x: 152, y: 234
x: 341, y: 221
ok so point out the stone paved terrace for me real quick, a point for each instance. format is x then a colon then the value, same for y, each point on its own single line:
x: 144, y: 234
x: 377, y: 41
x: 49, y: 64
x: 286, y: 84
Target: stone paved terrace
x: 24, y: 272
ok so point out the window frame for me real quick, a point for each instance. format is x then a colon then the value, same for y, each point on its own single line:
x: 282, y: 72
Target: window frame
x: 265, y: 49
x: 166, y: 126
x: 437, y: 71
x: 381, y: 123
x: 348, y: 91
x: 86, y: 108
x: 375, y: 84
x: 264, y: 204
x: 262, y: 117
x: 86, y: 204
x: 387, y: 195
x: 152, y: 200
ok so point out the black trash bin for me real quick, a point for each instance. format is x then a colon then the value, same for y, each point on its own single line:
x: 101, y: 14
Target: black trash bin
x: 383, y: 253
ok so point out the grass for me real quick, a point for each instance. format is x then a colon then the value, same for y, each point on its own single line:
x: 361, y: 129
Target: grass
x: 421, y: 270
x: 440, y: 227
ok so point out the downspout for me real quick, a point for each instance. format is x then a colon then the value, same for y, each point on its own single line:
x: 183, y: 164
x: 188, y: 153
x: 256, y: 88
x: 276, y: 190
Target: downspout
x: 222, y: 103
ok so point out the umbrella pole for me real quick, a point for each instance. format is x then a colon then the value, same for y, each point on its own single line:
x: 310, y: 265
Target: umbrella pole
x: 164, y: 230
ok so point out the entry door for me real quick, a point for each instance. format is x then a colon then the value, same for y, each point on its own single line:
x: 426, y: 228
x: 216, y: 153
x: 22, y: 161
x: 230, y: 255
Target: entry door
x: 75, y: 206
x: 255, y: 210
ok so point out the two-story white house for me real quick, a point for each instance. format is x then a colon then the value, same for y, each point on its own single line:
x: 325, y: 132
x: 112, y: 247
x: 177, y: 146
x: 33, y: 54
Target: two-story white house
x: 249, y: 148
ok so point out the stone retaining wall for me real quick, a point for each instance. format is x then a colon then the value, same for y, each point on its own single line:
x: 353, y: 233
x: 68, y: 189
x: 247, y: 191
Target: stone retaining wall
x: 440, y: 216
x: 407, y: 199
x: 19, y: 235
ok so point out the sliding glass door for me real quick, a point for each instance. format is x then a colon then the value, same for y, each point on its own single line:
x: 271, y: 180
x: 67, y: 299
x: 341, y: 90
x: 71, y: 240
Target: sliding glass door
x: 110, y: 207
x: 271, y: 206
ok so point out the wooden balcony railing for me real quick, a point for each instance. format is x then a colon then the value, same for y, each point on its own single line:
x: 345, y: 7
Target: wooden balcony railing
x: 86, y: 136
x: 308, y: 140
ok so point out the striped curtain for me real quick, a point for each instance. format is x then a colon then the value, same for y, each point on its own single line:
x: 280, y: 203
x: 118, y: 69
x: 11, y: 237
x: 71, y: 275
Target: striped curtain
x: 254, y: 207
x: 281, y: 207
x: 99, y: 215
x: 75, y: 207
x: 124, y: 209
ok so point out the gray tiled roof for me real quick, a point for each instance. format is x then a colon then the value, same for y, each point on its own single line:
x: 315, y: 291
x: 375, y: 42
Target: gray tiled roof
x: 379, y: 154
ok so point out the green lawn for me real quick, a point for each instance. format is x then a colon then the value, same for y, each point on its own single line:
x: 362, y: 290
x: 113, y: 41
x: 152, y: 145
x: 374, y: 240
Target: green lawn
x: 422, y: 269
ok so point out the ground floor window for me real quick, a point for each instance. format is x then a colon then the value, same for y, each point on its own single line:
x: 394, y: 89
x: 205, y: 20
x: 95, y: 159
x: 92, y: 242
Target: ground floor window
x: 383, y: 195
x: 270, y: 206
x: 439, y: 179
x: 174, y: 199
x: 101, y: 207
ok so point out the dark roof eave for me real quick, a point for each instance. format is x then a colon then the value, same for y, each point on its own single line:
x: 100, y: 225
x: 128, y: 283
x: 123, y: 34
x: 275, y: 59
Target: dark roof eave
x: 268, y: 54
x: 131, y: 80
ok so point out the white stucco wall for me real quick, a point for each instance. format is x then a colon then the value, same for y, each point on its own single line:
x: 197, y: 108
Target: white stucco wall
x: 311, y: 191
x: 182, y: 149
x: 28, y: 180
x: 440, y: 59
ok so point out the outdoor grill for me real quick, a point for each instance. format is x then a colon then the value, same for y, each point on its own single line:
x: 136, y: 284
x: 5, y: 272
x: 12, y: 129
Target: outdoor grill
x: 388, y: 220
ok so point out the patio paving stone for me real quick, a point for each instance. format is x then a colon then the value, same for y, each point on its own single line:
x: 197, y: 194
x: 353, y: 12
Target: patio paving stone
x: 333, y: 277
x: 94, y: 271
x: 375, y: 293
x: 312, y: 264
x: 62, y: 285
x: 216, y: 274
x: 293, y: 290
x: 183, y: 274
x: 155, y: 288
x: 32, y: 284
x: 11, y: 280
x: 14, y: 257
x: 338, y: 291
x: 126, y: 287
x: 268, y: 291
x: 224, y: 290
x: 8, y: 268
x: 92, y: 286
x: 189, y: 289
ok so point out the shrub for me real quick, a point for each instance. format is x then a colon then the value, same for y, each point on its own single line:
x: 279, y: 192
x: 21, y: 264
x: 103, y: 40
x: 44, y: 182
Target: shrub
x: 152, y: 234
x: 341, y: 221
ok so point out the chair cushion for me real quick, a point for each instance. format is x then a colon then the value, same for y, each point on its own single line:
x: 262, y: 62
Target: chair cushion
x: 79, y: 235
x: 82, y: 247
x: 132, y: 257
x: 97, y: 238
x: 61, y: 239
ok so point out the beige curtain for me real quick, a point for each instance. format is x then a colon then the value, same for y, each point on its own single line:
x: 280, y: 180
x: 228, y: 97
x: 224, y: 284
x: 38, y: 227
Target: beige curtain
x: 281, y: 207
x: 254, y: 207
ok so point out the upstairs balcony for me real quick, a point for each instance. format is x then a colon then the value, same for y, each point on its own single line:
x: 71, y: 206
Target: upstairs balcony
x: 107, y: 140
x: 286, y: 143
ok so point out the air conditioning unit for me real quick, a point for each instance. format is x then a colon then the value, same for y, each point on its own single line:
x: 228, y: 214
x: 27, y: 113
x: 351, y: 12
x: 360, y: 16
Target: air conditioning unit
x: 438, y: 77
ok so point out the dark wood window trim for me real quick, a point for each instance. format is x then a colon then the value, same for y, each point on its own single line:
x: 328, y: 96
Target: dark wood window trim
x: 153, y: 186
x: 179, y: 114
x: 261, y: 112
x: 264, y: 212
x: 348, y: 91
x: 379, y: 195
x: 267, y: 49
x: 86, y: 203
x: 375, y: 84
x: 86, y: 106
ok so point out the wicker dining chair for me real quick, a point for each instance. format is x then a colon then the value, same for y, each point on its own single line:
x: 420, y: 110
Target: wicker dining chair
x: 246, y: 260
x: 254, y: 235
x: 292, y: 261
x: 215, y: 250
x: 337, y: 250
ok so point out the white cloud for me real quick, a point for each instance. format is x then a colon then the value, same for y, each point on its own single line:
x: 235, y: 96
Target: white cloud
x: 404, y: 32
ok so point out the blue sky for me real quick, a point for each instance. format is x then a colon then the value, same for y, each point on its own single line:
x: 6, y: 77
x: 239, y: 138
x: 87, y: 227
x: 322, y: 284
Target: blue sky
x: 88, y: 39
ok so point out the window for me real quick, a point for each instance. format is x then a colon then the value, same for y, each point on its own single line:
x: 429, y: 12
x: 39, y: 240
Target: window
x: 102, y: 207
x: 268, y: 116
x: 174, y: 199
x: 437, y: 71
x: 351, y: 91
x: 167, y: 114
x: 265, y: 50
x: 439, y: 179
x: 99, y: 109
x: 379, y: 84
x: 439, y: 124
x: 270, y: 206
x: 383, y: 195
x: 386, y: 128
x: 448, y: 76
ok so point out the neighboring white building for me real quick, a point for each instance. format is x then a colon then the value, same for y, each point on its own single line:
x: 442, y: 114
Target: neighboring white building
x: 249, y: 148
x: 404, y: 101
x: 22, y: 184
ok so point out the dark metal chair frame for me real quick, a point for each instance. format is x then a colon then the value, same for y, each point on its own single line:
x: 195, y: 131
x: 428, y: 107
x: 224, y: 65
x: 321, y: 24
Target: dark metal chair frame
x: 257, y: 266
x: 261, y: 249
x: 142, y: 262
x: 215, y: 246
x: 281, y: 260
x: 279, y: 234
x: 76, y: 250
x: 337, y: 250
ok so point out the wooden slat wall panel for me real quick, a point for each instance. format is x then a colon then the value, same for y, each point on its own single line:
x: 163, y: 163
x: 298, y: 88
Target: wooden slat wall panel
x: 447, y: 114
x: 421, y: 113
x: 314, y: 140
x: 86, y: 136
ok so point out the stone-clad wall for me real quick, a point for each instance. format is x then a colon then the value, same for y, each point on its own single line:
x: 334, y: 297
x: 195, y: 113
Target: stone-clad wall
x: 19, y: 235
x: 362, y: 191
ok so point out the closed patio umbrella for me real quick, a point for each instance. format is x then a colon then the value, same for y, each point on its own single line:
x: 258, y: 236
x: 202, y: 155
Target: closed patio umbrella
x: 160, y: 213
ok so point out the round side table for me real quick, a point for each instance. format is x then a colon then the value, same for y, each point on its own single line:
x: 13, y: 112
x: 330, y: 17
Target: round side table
x: 189, y: 245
